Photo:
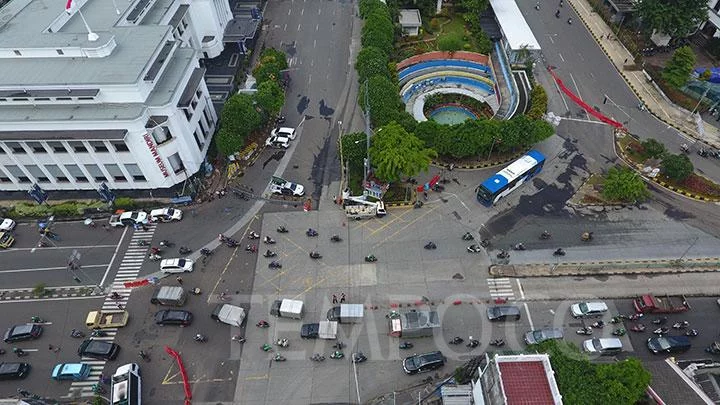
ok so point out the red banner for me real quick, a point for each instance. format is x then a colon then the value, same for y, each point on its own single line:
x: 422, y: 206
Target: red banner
x: 583, y: 104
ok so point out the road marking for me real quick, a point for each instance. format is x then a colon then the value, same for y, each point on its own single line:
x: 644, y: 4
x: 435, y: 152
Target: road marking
x: 319, y: 11
x: 527, y: 311
x: 314, y: 43
x: 317, y: 27
x: 309, y: 79
x: 47, y: 269
x: 50, y: 299
x: 519, y: 286
x: 302, y: 11
x: 285, y: 27
x: 424, y: 214
x: 289, y: 11
x: 298, y: 27
x: 33, y: 249
x: 258, y: 377
x: 561, y: 57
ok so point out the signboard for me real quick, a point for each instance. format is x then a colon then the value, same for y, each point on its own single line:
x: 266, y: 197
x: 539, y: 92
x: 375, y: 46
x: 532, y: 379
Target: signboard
x: 158, y: 159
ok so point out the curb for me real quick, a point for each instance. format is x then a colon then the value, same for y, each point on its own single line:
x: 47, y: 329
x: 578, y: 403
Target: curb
x: 586, y: 269
x: 477, y: 166
x: 27, y: 294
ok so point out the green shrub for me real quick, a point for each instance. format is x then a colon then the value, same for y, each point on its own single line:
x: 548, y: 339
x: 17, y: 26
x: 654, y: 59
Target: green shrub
x: 125, y: 203
x: 538, y: 103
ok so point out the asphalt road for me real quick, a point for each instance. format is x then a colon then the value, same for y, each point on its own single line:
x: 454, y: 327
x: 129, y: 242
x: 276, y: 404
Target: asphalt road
x: 586, y: 71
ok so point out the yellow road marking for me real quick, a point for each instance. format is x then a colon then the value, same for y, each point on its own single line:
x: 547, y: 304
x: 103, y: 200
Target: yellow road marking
x: 425, y: 213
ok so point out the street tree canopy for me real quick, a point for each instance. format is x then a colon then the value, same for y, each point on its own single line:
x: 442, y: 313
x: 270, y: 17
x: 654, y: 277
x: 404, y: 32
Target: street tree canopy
x: 653, y: 148
x: 371, y: 61
x: 270, y: 97
x: 394, y: 153
x: 678, y: 69
x: 271, y: 63
x: 677, y: 167
x: 353, y: 149
x: 623, y: 184
x: 238, y: 119
x: 677, y: 18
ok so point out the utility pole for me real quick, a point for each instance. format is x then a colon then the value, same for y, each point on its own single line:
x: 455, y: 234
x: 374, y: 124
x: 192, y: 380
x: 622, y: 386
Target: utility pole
x: 368, y: 133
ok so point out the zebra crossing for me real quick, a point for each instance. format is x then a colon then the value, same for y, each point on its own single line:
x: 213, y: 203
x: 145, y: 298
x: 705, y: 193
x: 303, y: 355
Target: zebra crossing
x: 129, y: 270
x: 501, y: 288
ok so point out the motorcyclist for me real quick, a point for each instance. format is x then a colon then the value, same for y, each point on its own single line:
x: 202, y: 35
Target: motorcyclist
x: 115, y: 295
x: 268, y: 240
x: 315, y: 255
x: 557, y: 14
x: 569, y: 21
x: 545, y: 235
x: 269, y: 253
x: 559, y: 252
x: 519, y: 246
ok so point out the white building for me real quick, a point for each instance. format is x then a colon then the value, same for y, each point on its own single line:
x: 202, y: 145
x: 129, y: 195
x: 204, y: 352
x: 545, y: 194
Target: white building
x: 711, y: 28
x: 126, y: 105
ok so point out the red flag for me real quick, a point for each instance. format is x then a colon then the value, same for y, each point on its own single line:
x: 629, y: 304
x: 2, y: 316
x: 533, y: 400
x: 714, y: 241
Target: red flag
x: 68, y: 6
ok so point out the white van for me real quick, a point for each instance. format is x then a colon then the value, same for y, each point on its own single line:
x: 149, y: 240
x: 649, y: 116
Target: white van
x: 603, y: 346
x: 229, y: 314
x: 126, y: 385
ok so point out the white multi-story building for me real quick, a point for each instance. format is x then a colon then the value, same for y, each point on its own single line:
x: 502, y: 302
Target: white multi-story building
x: 711, y: 28
x: 107, y: 91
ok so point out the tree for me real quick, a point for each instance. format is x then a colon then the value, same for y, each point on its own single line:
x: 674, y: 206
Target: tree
x: 354, y: 149
x: 677, y: 18
x: 270, y: 97
x: 378, y: 31
x: 623, y: 184
x: 394, y: 152
x: 271, y: 63
x: 678, y: 69
x: 371, y: 61
x: 677, y: 167
x: 239, y: 118
x: 625, y: 381
x: 450, y: 42
x: 384, y: 100
x: 653, y: 148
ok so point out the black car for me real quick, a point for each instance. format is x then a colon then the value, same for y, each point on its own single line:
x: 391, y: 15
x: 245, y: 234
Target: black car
x: 98, y: 349
x: 669, y: 344
x: 503, y: 313
x: 13, y: 371
x: 23, y: 332
x: 310, y: 331
x: 421, y: 363
x: 173, y: 317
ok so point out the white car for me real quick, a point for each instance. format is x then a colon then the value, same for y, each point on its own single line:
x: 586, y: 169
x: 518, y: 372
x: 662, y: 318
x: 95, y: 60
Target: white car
x: 176, y: 266
x: 588, y: 309
x: 286, y: 132
x: 7, y: 224
x: 166, y: 215
x: 278, y: 141
x: 128, y: 218
x: 288, y: 188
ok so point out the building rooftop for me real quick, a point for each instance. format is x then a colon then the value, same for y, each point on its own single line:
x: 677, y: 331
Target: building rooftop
x: 517, y: 32
x: 528, y: 379
x: 672, y: 385
x: 410, y: 18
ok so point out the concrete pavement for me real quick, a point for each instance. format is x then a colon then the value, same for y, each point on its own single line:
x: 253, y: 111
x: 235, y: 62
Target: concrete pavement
x: 639, y: 81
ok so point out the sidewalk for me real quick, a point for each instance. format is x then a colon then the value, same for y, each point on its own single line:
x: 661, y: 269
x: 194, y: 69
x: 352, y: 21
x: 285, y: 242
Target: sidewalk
x: 639, y: 81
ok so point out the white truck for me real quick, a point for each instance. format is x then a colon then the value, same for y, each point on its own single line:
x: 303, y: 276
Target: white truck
x: 346, y: 313
x: 126, y: 386
x: 359, y: 209
x: 287, y: 308
x: 229, y: 314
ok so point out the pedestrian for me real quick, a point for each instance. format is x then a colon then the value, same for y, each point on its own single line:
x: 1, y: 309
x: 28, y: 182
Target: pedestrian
x: 342, y: 298
x: 51, y: 347
x: 626, y: 59
x: 179, y: 280
x: 120, y: 306
x: 106, y: 227
x: 334, y: 299
x: 144, y: 227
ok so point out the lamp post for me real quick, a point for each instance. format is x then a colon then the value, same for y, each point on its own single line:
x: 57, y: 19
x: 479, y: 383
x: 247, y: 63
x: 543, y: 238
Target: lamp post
x: 368, y: 132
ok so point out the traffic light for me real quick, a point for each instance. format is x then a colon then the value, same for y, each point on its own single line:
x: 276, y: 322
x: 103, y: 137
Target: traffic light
x: 38, y: 194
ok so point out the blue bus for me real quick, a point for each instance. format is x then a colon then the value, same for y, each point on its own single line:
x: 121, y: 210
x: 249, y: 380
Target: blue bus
x: 510, y: 178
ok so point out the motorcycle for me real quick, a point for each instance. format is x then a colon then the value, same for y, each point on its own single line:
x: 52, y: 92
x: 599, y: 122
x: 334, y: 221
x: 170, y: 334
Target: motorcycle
x: 638, y: 328
x: 485, y: 243
x: 166, y: 243
x: 253, y: 235
x: 557, y: 14
x: 311, y: 233
x: 154, y: 257
x: 282, y: 342
x: 430, y: 246
x: 262, y: 324
x: 142, y: 243
x: 598, y: 325
x: 474, y: 249
x: 238, y: 338
x: 195, y: 291
x: 559, y: 252
x: 633, y: 317
x: 545, y: 235
x: 503, y: 254
x: 586, y: 236
x: 370, y: 258
x: 660, y: 321
x: 200, y: 338
x: 661, y: 330
x: 279, y: 357
x: 587, y: 330
x: 339, y: 345
x: 337, y: 354
x: 36, y: 319
x: 280, y: 120
x: 205, y: 252
x: 76, y: 333
x: 269, y: 253
x: 456, y: 340
x: 497, y: 342
x: 184, y: 250
x: 472, y: 343
x: 615, y: 319
x: 98, y: 333
x: 275, y: 265
x: 468, y: 236
x: 155, y: 251
x: 115, y: 296
x: 315, y: 255
x: 519, y: 246
x: 406, y: 345
x: 619, y: 332
x: 418, y: 204
x: 569, y: 21
x: 144, y: 356
x: 266, y: 347
x: 358, y: 357
x: 681, y: 325
x: 335, y: 238
x: 317, y: 357
x: 685, y: 148
x: 250, y: 248
x: 231, y: 243
x: 281, y: 229
x: 19, y: 352
x: 692, y: 333
x: 269, y: 241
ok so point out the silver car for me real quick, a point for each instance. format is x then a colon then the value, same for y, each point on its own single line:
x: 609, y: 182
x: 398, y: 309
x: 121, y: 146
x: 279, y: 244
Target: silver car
x: 540, y: 335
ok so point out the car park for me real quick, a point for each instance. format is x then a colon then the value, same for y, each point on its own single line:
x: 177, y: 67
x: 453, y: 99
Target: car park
x: 6, y: 225
x: 503, y: 313
x: 588, y: 309
x: 277, y: 141
x: 669, y: 344
x: 19, y: 333
x: 14, y: 371
x: 176, y: 265
x: 602, y: 346
x: 286, y: 132
x: 288, y: 188
x: 310, y: 331
x: 540, y: 335
x: 166, y: 214
x: 71, y: 371
x: 173, y: 317
x: 98, y: 349
x: 421, y: 363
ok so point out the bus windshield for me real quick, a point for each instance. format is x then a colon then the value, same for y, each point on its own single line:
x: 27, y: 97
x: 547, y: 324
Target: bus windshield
x: 484, y: 194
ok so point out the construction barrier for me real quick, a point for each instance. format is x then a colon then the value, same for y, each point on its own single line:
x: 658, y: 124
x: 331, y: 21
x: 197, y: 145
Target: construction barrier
x: 183, y: 373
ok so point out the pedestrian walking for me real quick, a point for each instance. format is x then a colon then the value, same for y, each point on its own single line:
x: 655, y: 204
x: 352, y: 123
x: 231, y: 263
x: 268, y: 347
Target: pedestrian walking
x: 342, y: 298
x: 179, y: 279
x: 334, y: 299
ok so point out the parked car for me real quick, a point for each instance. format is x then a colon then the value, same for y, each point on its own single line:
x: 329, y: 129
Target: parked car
x: 14, y: 371
x: 503, y: 313
x: 540, y: 335
x: 176, y: 265
x: 310, y: 331
x: 588, y: 309
x: 289, y: 188
x: 71, y: 371
x: 603, y: 346
x: 287, y: 132
x: 27, y: 331
x: 166, y: 214
x: 277, y: 141
x: 421, y: 363
x: 7, y: 225
x: 173, y: 317
x: 669, y: 344
x: 126, y: 218
x: 98, y: 349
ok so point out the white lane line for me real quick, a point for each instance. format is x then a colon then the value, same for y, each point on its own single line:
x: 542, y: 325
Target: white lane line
x: 21, y: 301
x: 527, y: 311
x: 317, y: 27
x: 48, y: 268
x: 319, y: 11
x: 289, y: 11
x: 285, y: 27
x: 302, y: 11
x: 561, y: 57
x: 35, y: 248
x: 314, y: 46
x: 112, y: 260
x: 520, y: 288
x: 298, y: 27
x: 309, y: 79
